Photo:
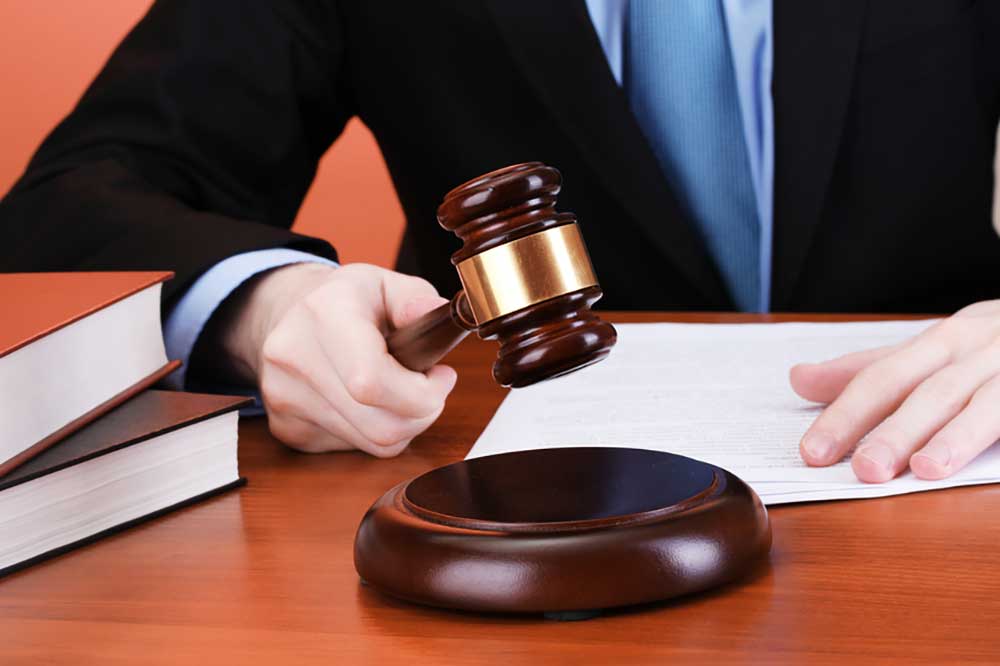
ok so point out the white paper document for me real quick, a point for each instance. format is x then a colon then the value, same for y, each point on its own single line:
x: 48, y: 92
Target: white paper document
x: 718, y: 393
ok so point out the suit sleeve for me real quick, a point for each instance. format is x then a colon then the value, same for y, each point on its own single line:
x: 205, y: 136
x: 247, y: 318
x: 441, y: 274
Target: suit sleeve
x: 990, y: 43
x: 197, y: 142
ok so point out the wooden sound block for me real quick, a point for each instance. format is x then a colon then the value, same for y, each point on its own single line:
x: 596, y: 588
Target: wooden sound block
x: 560, y: 531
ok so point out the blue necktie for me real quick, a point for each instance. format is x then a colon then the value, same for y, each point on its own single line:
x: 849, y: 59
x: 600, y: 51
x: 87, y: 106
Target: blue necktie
x: 681, y: 85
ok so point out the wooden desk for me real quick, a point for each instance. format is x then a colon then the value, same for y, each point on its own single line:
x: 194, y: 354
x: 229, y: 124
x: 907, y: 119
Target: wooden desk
x: 265, y: 575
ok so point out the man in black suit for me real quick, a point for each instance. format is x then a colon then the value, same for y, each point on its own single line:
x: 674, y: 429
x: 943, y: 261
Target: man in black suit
x: 193, y: 149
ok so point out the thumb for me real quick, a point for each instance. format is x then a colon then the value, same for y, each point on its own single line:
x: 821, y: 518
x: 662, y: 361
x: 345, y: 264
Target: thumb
x: 407, y: 298
x: 414, y: 309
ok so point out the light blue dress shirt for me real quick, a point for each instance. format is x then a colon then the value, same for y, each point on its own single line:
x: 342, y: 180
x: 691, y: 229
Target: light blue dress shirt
x: 192, y: 312
x: 750, y: 32
x: 749, y: 28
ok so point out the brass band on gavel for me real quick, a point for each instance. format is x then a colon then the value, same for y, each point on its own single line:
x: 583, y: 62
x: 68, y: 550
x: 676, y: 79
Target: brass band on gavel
x: 529, y: 270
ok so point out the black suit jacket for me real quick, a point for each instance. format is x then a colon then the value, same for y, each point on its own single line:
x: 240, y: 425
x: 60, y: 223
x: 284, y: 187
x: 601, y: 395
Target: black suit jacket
x: 202, y: 134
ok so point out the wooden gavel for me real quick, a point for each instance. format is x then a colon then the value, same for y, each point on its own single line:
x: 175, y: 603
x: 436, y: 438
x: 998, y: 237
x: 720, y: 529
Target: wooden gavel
x: 527, y: 280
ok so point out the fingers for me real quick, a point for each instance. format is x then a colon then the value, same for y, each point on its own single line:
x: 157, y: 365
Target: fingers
x: 887, y: 450
x: 303, y: 419
x: 823, y: 382
x: 407, y: 298
x: 356, y: 350
x: 304, y: 435
x: 969, y: 329
x: 287, y: 402
x: 328, y: 381
x: 928, y: 392
x: 970, y: 433
x: 874, y: 393
x: 348, y: 321
x: 332, y: 420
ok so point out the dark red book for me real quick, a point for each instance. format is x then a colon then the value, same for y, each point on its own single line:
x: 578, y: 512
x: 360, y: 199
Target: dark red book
x: 159, y: 451
x: 72, y: 347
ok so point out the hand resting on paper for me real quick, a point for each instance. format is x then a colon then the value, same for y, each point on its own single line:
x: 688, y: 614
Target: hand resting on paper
x: 313, y: 338
x: 931, y: 403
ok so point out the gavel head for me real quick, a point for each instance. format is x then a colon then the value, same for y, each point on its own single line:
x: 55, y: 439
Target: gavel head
x: 527, y: 277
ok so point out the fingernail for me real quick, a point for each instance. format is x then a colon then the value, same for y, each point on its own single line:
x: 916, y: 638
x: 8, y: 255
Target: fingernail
x: 818, y: 446
x: 879, y: 455
x: 938, y: 455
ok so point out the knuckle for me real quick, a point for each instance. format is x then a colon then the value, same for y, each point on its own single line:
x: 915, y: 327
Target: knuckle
x: 431, y: 415
x: 390, y: 451
x: 886, y: 375
x: 271, y: 351
x: 276, y: 350
x: 291, y: 433
x: 890, y: 433
x: 944, y: 349
x: 363, y: 386
x: 946, y: 336
x: 955, y: 438
x: 433, y: 409
x: 945, y: 390
x: 388, y: 434
x: 837, y: 422
x: 358, y: 272
x: 426, y: 404
x: 420, y: 285
x: 312, y: 304
x: 988, y: 393
x: 993, y: 348
x: 315, y: 304
x: 276, y: 402
x: 877, y: 375
x: 949, y: 327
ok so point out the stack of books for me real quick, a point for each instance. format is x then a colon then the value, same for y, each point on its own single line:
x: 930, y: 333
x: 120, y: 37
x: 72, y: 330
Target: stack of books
x: 86, y: 446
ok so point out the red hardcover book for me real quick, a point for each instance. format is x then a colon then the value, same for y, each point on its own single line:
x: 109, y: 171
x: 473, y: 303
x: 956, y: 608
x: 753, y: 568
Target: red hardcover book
x: 72, y: 347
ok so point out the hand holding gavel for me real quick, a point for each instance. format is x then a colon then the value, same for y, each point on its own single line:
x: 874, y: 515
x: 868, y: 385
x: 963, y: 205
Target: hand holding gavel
x: 314, y: 338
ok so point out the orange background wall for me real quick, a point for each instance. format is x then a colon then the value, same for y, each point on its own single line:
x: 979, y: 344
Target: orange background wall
x: 50, y: 50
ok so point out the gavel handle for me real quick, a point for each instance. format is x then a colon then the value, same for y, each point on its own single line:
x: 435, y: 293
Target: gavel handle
x: 422, y: 343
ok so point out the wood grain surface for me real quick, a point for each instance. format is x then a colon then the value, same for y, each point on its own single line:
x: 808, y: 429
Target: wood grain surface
x: 265, y: 576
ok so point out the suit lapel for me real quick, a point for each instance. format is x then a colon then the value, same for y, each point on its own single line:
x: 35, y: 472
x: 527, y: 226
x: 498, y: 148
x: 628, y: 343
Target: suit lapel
x: 557, y: 49
x: 815, y: 52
